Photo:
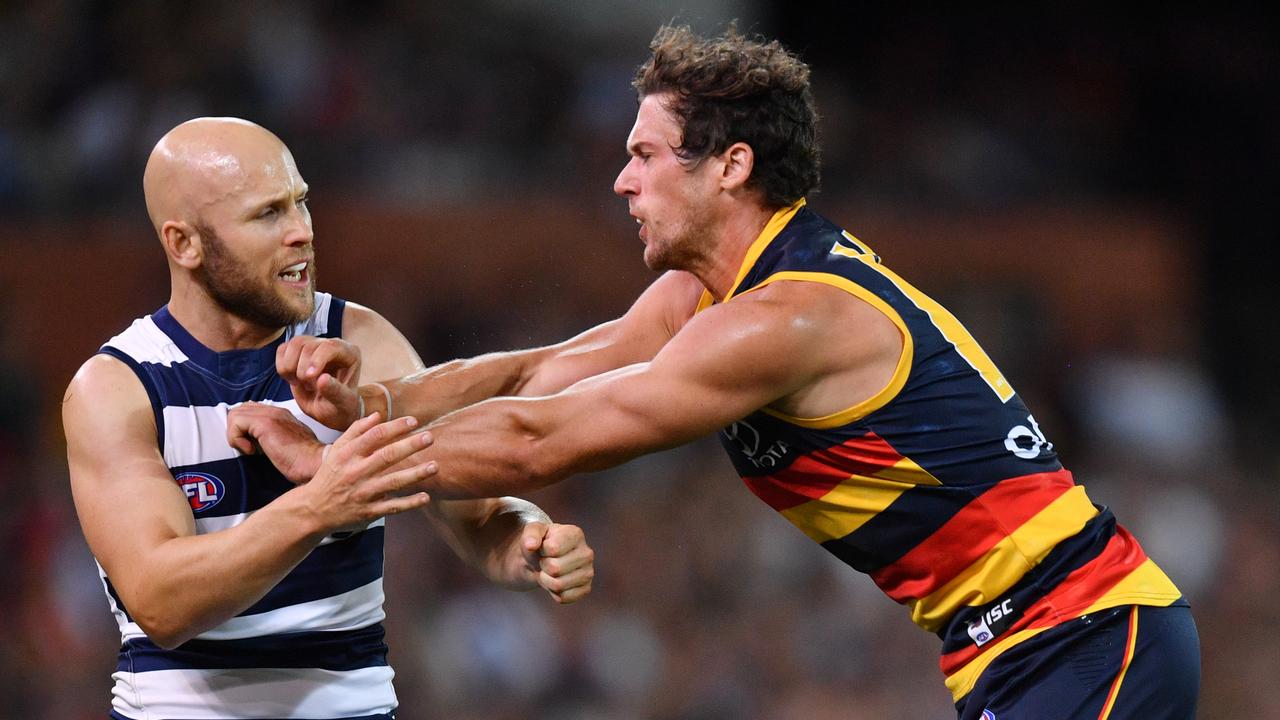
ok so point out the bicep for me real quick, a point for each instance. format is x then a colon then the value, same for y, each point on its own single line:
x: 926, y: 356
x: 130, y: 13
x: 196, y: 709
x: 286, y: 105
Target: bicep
x: 640, y: 334
x: 724, y: 365
x: 125, y: 496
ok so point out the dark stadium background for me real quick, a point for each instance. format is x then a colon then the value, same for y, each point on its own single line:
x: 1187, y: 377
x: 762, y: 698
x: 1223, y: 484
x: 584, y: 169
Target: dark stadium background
x: 1088, y: 192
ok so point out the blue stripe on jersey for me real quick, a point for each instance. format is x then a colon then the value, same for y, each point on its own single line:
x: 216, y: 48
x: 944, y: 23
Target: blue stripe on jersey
x: 251, y: 481
x: 236, y: 367
x: 336, y: 312
x: 329, y: 570
x: 911, y: 518
x: 340, y: 650
x: 144, y: 377
x: 189, y: 384
x: 111, y: 590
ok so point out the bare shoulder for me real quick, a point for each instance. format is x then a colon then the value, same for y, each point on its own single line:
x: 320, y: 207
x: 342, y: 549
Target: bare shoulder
x: 678, y: 287
x: 359, y: 319
x: 839, y: 317
x: 109, y: 423
x: 385, y: 351
x: 845, y: 349
x: 104, y: 385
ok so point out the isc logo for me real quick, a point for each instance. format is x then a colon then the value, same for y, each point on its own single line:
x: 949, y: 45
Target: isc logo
x: 989, y: 625
x: 203, y: 491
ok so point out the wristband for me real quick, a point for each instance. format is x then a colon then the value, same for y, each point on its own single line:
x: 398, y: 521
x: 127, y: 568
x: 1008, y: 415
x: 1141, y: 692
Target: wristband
x: 324, y: 453
x: 388, y: 415
x: 360, y: 411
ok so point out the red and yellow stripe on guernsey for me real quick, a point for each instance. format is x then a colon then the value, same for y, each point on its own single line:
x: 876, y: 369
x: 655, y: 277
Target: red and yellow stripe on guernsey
x: 1121, y: 574
x: 828, y: 502
x: 987, y: 546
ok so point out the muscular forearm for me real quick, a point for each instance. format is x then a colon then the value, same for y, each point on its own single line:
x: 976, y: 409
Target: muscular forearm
x: 536, y: 372
x: 188, y: 585
x: 512, y: 446
x: 444, y: 388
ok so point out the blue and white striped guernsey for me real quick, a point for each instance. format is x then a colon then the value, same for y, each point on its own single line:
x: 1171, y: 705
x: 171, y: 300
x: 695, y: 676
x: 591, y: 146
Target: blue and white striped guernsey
x: 313, y: 646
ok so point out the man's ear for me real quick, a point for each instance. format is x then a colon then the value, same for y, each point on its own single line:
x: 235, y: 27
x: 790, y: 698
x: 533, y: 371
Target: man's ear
x: 739, y: 160
x: 182, y: 243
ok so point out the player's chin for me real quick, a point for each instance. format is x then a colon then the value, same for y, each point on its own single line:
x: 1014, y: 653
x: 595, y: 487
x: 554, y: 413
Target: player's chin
x: 655, y: 259
x: 300, y: 301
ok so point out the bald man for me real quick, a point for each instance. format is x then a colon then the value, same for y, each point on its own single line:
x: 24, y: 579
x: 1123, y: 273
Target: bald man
x: 243, y: 590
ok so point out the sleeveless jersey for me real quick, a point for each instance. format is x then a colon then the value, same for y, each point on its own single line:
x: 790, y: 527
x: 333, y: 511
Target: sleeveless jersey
x: 312, y: 647
x: 942, y: 487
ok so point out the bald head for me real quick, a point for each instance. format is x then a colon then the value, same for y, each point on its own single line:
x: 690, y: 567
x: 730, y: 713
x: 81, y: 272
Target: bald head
x: 206, y: 161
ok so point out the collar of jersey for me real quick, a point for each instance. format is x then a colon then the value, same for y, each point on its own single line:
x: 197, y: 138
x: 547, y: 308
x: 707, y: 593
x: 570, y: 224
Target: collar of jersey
x: 766, y: 236
x: 232, y: 366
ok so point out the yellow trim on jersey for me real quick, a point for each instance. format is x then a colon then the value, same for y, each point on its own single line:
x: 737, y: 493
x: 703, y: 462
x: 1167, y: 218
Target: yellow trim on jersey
x: 900, y: 373
x: 847, y: 506
x: 704, y: 302
x: 766, y: 236
x: 1005, y: 563
x: 1146, y: 585
x: 861, y: 247
x: 951, y: 329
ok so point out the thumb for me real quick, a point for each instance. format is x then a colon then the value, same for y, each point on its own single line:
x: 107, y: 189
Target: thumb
x: 531, y: 538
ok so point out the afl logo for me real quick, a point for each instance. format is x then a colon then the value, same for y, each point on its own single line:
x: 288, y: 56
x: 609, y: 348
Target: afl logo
x: 203, y: 491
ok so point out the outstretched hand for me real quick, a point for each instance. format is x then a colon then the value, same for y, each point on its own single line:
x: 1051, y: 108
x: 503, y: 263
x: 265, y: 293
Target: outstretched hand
x: 557, y: 559
x: 323, y: 374
x: 367, y: 472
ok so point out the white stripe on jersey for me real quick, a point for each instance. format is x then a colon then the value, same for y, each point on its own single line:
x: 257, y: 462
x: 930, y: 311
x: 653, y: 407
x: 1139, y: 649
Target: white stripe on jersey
x: 198, y: 433
x: 146, y: 343
x: 318, y: 323
x: 254, y: 693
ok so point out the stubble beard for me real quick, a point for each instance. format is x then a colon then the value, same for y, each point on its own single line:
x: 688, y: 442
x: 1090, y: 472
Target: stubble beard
x: 683, y: 247
x: 236, y: 291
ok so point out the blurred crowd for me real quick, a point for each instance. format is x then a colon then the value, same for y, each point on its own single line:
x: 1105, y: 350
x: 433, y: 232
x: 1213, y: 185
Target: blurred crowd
x: 707, y: 605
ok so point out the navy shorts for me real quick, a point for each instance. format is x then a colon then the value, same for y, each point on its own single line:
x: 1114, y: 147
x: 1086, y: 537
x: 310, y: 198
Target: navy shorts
x: 1132, y: 662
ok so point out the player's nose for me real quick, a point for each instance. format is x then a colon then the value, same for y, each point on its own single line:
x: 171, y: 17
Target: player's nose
x: 625, y: 184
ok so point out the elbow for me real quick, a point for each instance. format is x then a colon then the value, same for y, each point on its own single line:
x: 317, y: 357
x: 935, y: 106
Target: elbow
x: 167, y: 638
x: 163, y: 628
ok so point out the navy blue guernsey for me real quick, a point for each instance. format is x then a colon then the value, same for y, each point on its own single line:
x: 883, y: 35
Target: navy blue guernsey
x: 942, y: 487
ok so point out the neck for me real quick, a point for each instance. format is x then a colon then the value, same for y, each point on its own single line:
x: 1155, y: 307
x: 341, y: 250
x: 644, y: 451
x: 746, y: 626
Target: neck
x: 720, y: 268
x: 212, y: 325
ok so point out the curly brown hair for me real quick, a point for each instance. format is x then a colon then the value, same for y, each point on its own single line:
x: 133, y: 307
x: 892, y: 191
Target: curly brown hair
x: 731, y: 89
